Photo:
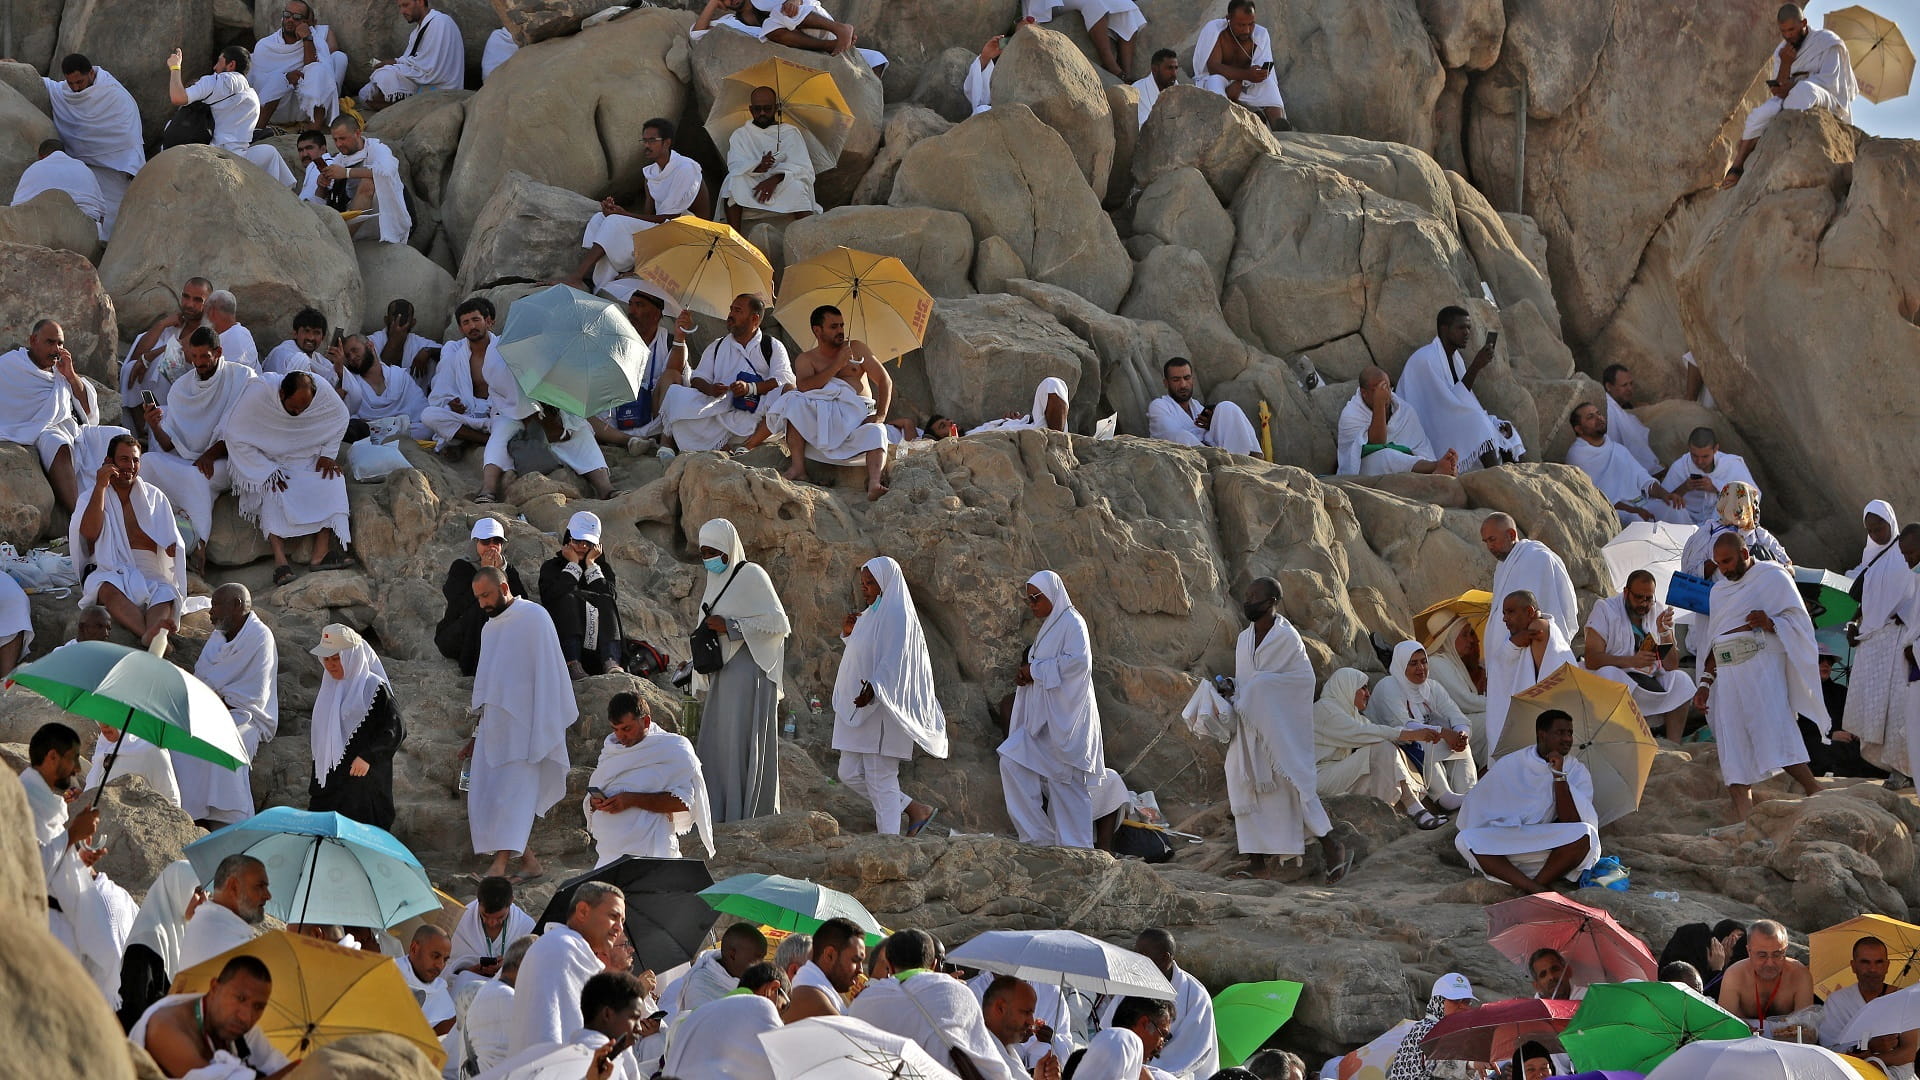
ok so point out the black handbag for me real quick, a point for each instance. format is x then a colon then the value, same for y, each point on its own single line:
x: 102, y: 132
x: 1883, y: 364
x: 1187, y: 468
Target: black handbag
x: 704, y: 642
x: 189, y: 125
x: 1858, y: 590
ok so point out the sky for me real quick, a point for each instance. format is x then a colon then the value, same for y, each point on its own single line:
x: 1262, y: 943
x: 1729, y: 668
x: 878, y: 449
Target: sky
x: 1899, y: 118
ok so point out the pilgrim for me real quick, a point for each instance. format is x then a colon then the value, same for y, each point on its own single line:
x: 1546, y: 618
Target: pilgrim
x: 1180, y: 416
x: 1632, y: 491
x: 1379, y: 433
x: 1530, y: 819
x: 434, y: 58
x: 739, y: 725
x: 99, y: 122
x: 1439, y: 386
x: 281, y: 437
x: 769, y: 167
x: 46, y: 404
x: 1629, y: 639
x: 1530, y: 649
x: 740, y: 377
x: 355, y: 732
x: 53, y: 170
x: 241, y: 663
x: 1531, y: 566
x: 1049, y: 412
x: 884, y: 700
x: 1053, y: 754
x: 1233, y: 57
x: 125, y: 531
x: 646, y: 791
x: 187, y: 455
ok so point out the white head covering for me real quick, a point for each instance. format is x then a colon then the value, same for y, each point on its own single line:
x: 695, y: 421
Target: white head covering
x: 1114, y: 1054
x: 584, y: 525
x: 489, y: 528
x: 1049, y: 387
x: 1884, y: 511
x: 888, y: 649
x: 1337, y: 695
x: 750, y: 598
x: 343, y: 703
x: 1417, y: 693
x: 162, y: 922
x: 1055, y: 591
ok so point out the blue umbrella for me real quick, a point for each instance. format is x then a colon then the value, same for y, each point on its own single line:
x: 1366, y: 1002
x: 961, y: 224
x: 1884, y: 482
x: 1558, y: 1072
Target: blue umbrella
x: 324, y: 868
x: 575, y: 352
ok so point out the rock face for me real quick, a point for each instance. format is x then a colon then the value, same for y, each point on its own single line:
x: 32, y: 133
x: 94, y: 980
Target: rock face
x: 309, y: 264
x: 985, y: 355
x: 25, y: 127
x: 528, y: 231
x: 366, y: 1057
x: 583, y: 136
x: 388, y: 271
x: 936, y: 245
x: 26, y: 500
x: 1042, y: 70
x: 370, y: 29
x: 59, y: 285
x: 537, y: 20
x: 1057, y: 229
x: 51, y: 220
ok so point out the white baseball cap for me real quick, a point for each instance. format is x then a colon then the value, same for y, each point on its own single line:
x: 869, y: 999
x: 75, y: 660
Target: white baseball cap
x: 584, y: 526
x: 489, y: 528
x: 336, y: 639
x: 1453, y: 986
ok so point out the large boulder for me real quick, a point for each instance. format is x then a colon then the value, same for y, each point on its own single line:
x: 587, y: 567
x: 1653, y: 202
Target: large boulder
x: 309, y: 264
x: 1131, y: 353
x: 1043, y: 70
x: 370, y: 29
x: 389, y: 271
x: 149, y: 830
x: 26, y: 79
x: 36, y: 28
x: 366, y: 1057
x: 1056, y: 228
x: 59, y: 285
x: 905, y: 126
x: 23, y: 885
x: 26, y: 499
x: 936, y: 245
x: 985, y: 354
x: 51, y: 220
x: 56, y: 1019
x: 916, y: 37
x: 528, y: 231
x: 546, y: 121
x: 132, y: 41
x: 1179, y: 208
x: 1192, y: 128
x: 537, y: 20
x: 23, y: 127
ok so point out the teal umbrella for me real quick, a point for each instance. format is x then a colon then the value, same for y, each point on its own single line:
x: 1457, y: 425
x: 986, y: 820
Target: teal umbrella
x: 575, y: 352
x: 1245, y: 1016
x: 791, y: 904
x: 1827, y: 596
x: 1638, y: 1025
x: 138, y: 693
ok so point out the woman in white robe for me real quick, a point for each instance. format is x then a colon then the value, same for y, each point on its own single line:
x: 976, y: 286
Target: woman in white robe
x: 1883, y: 527
x: 739, y: 719
x: 1738, y: 508
x: 1357, y: 756
x: 1054, y: 754
x: 1408, y: 699
x: 152, y: 958
x: 1452, y: 642
x: 884, y: 702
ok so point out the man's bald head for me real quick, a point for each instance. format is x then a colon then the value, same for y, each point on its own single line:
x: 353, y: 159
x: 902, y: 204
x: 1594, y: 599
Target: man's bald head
x: 1373, y: 376
x: 1499, y: 534
x: 1790, y: 13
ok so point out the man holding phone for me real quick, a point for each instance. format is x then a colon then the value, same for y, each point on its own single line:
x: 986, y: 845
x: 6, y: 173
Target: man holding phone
x: 612, y: 1008
x: 1630, y: 640
x: 1438, y: 383
x: 1234, y: 56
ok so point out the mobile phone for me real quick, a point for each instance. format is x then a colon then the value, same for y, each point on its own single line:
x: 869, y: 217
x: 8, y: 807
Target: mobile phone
x: 338, y: 335
x: 1773, y: 82
x: 596, y: 793
x: 621, y: 1046
x: 147, y: 399
x: 1697, y: 476
x: 1492, y: 337
x: 660, y: 1015
x: 1268, y: 66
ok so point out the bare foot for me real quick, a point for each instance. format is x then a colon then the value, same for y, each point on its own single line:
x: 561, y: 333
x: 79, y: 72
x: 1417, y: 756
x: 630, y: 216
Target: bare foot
x: 530, y: 867
x: 1449, y: 464
x: 497, y: 868
x: 846, y: 37
x: 874, y: 491
x: 798, y: 476
x: 1732, y: 177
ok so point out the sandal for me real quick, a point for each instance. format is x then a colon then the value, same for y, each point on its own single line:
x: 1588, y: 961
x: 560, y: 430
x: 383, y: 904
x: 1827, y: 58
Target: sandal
x: 339, y: 560
x: 483, y: 497
x: 920, y: 826
x: 1733, y: 177
x: 283, y: 573
x: 1338, y: 873
x: 1428, y: 821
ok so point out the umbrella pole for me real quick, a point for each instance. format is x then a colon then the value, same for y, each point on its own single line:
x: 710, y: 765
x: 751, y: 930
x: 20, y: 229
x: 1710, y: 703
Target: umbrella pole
x: 106, y: 774
x: 313, y: 863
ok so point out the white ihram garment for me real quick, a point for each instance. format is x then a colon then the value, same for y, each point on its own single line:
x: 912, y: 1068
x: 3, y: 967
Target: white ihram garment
x: 1511, y: 811
x: 38, y: 409
x: 1762, y: 681
x: 699, y: 422
x: 887, y: 650
x: 526, y: 705
x: 194, y: 417
x: 748, y: 147
x: 100, y: 125
x: 145, y: 577
x: 1826, y: 82
x: 1703, y: 506
x: 268, y: 446
x: 58, y: 172
x: 1621, y: 480
x: 1262, y: 94
x: 245, y: 671
x: 1403, y: 431
x: 1531, y: 566
x: 134, y: 756
x: 274, y: 58
x: 453, y: 382
x: 1434, y: 383
x: 546, y: 994
x: 832, y: 419
x: 1512, y: 669
x: 1271, y: 786
x: 1626, y: 429
x: 1050, y: 387
x: 1229, y: 429
x: 1054, y: 753
x: 434, y: 59
x: 662, y: 762
x: 938, y: 1012
x: 1620, y: 637
x: 1191, y: 1054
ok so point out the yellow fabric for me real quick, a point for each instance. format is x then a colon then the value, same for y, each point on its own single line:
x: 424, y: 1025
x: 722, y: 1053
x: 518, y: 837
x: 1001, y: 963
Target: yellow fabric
x: 323, y: 993
x: 1610, y: 736
x: 700, y: 264
x: 884, y: 305
x: 1472, y: 605
x: 1882, y: 59
x: 806, y: 97
x: 1831, y: 952
x: 1867, y: 1070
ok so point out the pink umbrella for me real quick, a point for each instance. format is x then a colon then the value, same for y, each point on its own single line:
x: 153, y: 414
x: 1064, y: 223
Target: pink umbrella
x: 1597, y: 949
x: 1493, y: 1032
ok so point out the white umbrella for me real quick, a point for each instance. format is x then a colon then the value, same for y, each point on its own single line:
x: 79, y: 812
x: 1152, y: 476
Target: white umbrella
x: 1753, y: 1059
x: 1887, y: 1014
x: 842, y: 1048
x: 1653, y: 546
x: 1067, y: 957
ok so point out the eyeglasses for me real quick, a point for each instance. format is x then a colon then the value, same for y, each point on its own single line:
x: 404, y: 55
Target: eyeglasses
x: 1033, y: 597
x: 1165, y: 1033
x: 645, y: 139
x: 295, y: 16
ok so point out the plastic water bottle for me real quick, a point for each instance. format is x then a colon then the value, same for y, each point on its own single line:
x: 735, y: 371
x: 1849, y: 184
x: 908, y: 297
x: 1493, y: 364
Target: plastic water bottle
x: 1667, y: 895
x: 466, y: 775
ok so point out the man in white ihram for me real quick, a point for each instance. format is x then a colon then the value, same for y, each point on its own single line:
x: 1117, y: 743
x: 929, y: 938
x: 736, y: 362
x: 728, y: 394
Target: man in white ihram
x: 1703, y: 472
x: 126, y: 531
x: 236, y: 341
x: 769, y: 167
x: 1629, y: 639
x: 187, y: 456
x: 1438, y: 383
x: 1179, y: 416
x: 1379, y: 433
x: 434, y: 58
x: 1810, y: 70
x: 1632, y: 491
x: 1233, y: 57
x: 54, y: 170
x: 47, y: 405
x: 1622, y: 425
x: 242, y: 664
x: 647, y: 791
x: 1526, y: 648
x: 1530, y: 819
x: 523, y: 702
x: 281, y: 437
x: 100, y: 123
x: 293, y: 70
x: 930, y: 1007
x: 546, y: 997
x: 1190, y: 1053
x: 1163, y: 71
x: 371, y: 173
x: 674, y: 187
x: 739, y: 377
x: 1532, y: 566
x: 832, y: 413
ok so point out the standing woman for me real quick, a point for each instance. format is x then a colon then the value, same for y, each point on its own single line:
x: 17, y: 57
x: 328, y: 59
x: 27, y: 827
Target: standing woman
x: 1053, y: 755
x: 883, y: 698
x: 739, y: 744
x: 356, y: 731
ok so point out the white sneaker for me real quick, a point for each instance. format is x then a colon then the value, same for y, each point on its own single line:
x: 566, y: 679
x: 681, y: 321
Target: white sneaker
x: 665, y: 453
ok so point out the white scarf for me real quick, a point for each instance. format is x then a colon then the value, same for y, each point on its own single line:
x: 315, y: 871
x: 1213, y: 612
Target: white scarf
x: 264, y: 441
x: 750, y: 598
x: 274, y: 58
x: 101, y: 124
x: 453, y: 377
x: 1884, y: 511
x: 470, y: 940
x: 32, y: 401
x: 673, y: 188
x: 1066, y: 715
x: 400, y: 397
x: 343, y: 704
x: 214, y: 929
x: 1769, y: 587
x: 1612, y: 469
x: 1533, y: 567
x: 660, y: 762
x: 1831, y: 73
x: 113, y: 549
x: 546, y: 996
x: 523, y: 675
x: 1418, y: 695
x: 935, y: 1011
x: 162, y: 922
x: 244, y: 670
x: 1518, y: 790
x: 436, y: 1004
x: 1114, y: 1054
x: 197, y: 408
x: 1338, y: 727
x: 396, y: 223
x: 888, y: 650
x: 1403, y: 429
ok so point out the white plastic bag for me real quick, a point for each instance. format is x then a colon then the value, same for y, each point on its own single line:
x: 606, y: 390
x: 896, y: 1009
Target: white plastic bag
x: 40, y: 570
x: 369, y: 462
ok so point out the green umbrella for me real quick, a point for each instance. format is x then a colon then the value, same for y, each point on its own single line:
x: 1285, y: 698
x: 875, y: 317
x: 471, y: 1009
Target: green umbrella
x: 578, y: 353
x: 1245, y: 1016
x: 1827, y: 596
x: 138, y: 693
x: 1639, y: 1025
x: 789, y: 904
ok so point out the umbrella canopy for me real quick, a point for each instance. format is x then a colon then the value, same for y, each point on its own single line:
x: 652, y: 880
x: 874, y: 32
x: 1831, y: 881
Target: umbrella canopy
x: 1472, y: 605
x: 324, y: 868
x: 1653, y: 546
x: 1754, y: 1059
x: 1866, y: 1069
x: 1372, y: 1061
x: 842, y: 1048
x: 1831, y: 952
x: 1064, y: 957
x: 1245, y: 1016
x: 138, y: 692
x: 789, y: 904
x: 1494, y: 1031
x: 1610, y: 736
x: 807, y: 98
x: 576, y: 352
x: 1882, y: 59
x: 699, y: 264
x: 1639, y: 1025
x: 666, y: 919
x: 1888, y: 1014
x: 1597, y: 949
x: 323, y: 993
x: 885, y: 305
x: 1826, y: 595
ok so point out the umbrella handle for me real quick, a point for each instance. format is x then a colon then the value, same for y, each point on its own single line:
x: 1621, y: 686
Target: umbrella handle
x: 313, y: 863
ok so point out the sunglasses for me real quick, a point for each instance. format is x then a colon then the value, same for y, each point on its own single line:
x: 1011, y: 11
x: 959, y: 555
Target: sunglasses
x: 1033, y: 598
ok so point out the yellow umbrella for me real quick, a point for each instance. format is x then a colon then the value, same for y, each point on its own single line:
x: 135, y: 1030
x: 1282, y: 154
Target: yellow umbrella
x: 699, y: 264
x: 1472, y: 605
x: 1610, y: 736
x: 1882, y: 59
x: 883, y: 304
x: 807, y: 98
x: 323, y: 993
x: 1866, y: 1069
x: 1831, y: 952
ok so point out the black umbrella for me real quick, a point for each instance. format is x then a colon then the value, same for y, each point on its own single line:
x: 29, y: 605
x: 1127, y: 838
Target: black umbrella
x: 666, y: 918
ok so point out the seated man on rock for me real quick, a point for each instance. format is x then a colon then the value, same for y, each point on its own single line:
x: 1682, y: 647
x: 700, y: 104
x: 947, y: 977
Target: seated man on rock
x: 100, y: 123
x: 1234, y: 56
x: 1768, y: 984
x: 1629, y: 639
x: 1162, y: 71
x: 768, y: 166
x: 458, y: 410
x: 739, y: 379
x: 1530, y: 819
x: 376, y: 391
x: 53, y: 170
x: 1179, y: 416
x: 1699, y: 475
x: 301, y: 352
x: 1438, y: 384
x: 400, y: 347
x: 153, y: 361
x: 1632, y: 492
x: 630, y: 424
x: 1810, y: 69
x: 674, y: 187
x: 362, y: 175
x: 568, y: 436
x: 1049, y: 411
x: 214, y: 1035
x: 236, y: 341
x: 1106, y: 21
x: 187, y: 457
x: 1380, y: 434
x: 832, y: 413
x: 282, y: 436
x: 1622, y: 425
x: 796, y: 24
x: 293, y: 70
x: 47, y: 405
x: 434, y: 58
x: 126, y: 533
